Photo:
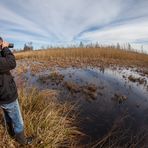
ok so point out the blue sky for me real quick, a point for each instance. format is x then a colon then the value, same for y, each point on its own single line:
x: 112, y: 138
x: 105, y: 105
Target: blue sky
x: 50, y: 22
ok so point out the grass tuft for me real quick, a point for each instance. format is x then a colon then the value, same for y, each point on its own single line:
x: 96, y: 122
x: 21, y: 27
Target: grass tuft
x: 51, y: 122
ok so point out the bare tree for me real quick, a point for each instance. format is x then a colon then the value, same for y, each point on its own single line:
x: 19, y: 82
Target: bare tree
x: 28, y: 46
x: 81, y: 44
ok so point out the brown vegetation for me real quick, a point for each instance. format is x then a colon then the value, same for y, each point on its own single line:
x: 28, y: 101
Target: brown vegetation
x: 88, y: 55
x: 50, y: 122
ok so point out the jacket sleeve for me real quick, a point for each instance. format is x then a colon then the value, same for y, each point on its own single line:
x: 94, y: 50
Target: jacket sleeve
x: 7, y: 61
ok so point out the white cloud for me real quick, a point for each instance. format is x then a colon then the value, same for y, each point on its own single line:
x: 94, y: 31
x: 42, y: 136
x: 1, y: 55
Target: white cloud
x: 65, y: 20
x: 125, y: 32
x: 132, y: 32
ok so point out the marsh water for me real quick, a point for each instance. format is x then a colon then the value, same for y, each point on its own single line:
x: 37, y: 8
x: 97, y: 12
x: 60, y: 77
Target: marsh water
x: 110, y: 98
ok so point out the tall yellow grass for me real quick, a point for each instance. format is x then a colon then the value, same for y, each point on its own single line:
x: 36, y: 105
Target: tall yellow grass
x: 51, y: 122
x: 85, y: 53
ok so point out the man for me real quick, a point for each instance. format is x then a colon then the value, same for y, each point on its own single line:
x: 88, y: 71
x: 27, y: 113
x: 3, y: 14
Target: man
x: 9, y: 96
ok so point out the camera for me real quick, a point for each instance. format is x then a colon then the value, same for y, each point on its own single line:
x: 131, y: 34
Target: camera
x: 11, y: 45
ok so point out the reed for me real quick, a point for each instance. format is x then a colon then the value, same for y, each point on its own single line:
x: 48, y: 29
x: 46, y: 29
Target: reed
x: 88, y: 54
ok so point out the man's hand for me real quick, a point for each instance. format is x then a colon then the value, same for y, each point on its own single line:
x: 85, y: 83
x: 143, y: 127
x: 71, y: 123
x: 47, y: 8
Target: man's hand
x: 5, y: 44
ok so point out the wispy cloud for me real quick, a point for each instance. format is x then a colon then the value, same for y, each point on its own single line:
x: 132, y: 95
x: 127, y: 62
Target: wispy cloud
x: 57, y: 21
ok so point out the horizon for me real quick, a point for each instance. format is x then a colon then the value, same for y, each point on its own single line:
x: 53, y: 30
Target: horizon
x: 68, y: 22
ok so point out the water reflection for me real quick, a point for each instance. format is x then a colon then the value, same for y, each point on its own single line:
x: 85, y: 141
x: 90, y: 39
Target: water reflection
x: 107, y: 99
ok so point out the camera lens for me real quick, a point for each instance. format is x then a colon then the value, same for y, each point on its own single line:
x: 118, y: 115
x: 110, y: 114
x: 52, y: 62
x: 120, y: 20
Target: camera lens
x: 11, y: 45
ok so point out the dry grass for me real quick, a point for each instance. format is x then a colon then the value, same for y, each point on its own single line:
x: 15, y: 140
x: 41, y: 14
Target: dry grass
x: 51, y: 122
x: 88, y: 54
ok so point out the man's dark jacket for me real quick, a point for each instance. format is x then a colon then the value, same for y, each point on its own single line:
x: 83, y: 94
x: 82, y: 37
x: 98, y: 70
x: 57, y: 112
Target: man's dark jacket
x: 8, y: 90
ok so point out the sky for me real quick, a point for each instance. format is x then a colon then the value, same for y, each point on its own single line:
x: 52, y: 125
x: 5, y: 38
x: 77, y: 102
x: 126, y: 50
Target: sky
x: 64, y: 22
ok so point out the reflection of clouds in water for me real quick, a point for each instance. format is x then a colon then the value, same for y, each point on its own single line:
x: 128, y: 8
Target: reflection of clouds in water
x: 100, y: 115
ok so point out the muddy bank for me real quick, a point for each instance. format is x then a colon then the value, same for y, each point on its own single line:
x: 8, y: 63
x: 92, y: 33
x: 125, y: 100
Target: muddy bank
x: 111, y: 100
